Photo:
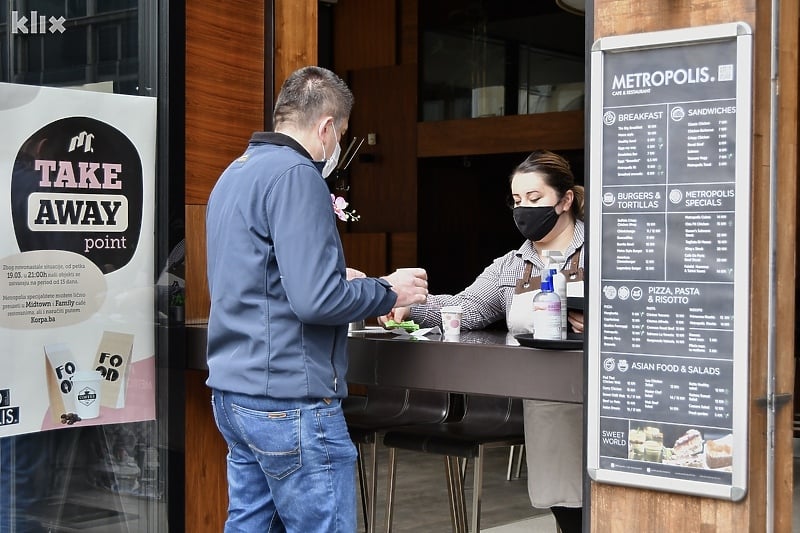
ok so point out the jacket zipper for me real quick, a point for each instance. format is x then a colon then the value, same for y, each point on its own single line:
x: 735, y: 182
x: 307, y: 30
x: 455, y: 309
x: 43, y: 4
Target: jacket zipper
x: 333, y: 365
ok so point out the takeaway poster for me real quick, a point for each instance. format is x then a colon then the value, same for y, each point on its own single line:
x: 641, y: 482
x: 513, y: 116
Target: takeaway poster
x: 77, y: 180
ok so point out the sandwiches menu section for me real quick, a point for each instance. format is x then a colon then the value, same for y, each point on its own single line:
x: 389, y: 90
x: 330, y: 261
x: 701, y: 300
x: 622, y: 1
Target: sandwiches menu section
x: 670, y: 198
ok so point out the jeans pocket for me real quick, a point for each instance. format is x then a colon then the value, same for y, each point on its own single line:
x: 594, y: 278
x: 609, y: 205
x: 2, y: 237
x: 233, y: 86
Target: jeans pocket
x: 333, y: 429
x: 274, y: 438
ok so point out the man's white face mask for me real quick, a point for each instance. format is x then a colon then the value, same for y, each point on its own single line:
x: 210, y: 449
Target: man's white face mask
x: 331, y: 163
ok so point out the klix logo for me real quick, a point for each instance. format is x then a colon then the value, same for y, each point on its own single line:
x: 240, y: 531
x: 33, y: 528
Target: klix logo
x: 36, y: 24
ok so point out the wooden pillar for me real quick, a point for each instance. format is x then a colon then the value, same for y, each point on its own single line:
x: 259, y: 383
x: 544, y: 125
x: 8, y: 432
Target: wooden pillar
x: 296, y: 39
x: 623, y: 509
x: 227, y: 77
x: 224, y: 105
x: 227, y: 98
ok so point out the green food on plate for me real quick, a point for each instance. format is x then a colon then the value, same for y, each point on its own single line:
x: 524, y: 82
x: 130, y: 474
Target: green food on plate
x: 408, y: 325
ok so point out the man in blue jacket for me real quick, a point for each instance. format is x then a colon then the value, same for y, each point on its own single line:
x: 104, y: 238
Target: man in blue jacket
x: 281, y: 299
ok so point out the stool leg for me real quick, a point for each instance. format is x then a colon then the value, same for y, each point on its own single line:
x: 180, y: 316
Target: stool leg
x: 510, y: 462
x: 519, y: 460
x: 455, y: 488
x: 476, y: 491
x: 363, y: 484
x: 515, y: 455
x: 390, y: 488
x: 448, y: 475
x: 373, y: 486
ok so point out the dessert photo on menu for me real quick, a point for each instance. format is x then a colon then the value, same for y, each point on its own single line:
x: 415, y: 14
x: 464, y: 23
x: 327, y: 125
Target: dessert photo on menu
x: 676, y: 445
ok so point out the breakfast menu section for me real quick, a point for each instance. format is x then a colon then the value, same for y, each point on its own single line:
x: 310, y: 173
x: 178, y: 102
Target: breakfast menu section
x: 668, y: 356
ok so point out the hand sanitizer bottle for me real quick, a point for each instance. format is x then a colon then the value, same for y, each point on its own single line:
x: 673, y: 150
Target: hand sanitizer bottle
x: 547, y: 311
x: 553, y: 261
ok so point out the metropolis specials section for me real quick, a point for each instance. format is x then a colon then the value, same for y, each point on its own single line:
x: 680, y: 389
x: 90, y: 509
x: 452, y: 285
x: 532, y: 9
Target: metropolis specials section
x: 666, y: 376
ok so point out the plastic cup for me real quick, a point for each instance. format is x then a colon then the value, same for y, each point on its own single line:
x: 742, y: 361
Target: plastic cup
x: 86, y: 385
x: 451, y: 320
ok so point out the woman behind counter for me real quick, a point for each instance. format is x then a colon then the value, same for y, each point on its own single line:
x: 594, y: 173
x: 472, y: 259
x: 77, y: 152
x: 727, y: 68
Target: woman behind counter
x: 548, y: 211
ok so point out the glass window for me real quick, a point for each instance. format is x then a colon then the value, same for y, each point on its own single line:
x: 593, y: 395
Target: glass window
x: 498, y: 57
x: 101, y: 478
x: 100, y: 43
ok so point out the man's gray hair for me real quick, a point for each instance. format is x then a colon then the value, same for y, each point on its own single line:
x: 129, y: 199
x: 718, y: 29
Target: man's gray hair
x: 310, y: 93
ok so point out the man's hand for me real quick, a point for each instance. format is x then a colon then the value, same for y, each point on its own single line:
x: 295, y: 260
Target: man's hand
x: 410, y: 284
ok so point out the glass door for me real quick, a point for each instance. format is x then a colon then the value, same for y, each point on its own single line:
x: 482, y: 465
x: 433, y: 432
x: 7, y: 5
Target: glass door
x: 78, y: 475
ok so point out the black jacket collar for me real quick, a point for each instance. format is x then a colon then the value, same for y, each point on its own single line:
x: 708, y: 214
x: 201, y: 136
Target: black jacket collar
x: 279, y: 139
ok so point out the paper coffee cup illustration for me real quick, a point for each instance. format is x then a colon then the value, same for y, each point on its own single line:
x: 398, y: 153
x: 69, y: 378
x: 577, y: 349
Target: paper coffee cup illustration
x: 60, y: 366
x: 87, y: 387
x: 451, y: 320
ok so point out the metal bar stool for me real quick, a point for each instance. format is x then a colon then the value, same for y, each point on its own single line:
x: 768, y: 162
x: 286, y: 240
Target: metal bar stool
x: 486, y: 422
x: 384, y: 409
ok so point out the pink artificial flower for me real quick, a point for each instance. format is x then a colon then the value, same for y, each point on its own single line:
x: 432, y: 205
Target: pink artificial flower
x: 340, y: 208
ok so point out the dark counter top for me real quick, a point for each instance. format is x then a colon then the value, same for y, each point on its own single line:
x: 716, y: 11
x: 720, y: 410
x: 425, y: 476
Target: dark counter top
x: 479, y: 362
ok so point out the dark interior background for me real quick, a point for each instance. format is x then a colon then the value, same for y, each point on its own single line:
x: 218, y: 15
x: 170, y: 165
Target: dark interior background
x: 464, y: 215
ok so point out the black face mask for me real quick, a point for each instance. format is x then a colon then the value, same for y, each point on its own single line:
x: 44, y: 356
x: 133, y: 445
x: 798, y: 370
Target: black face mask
x: 535, y: 222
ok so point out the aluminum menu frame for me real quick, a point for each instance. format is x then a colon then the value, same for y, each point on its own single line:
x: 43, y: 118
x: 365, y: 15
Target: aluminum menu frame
x: 741, y: 34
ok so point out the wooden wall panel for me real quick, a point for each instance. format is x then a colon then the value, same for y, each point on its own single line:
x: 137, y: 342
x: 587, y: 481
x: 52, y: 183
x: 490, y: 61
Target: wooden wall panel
x: 627, y: 509
x: 402, y: 250
x: 364, y: 34
x: 756, y: 498
x: 409, y: 31
x: 617, y: 17
x: 383, y: 178
x: 295, y: 37
x: 224, y: 87
x: 365, y: 252
x: 198, y: 301
x: 206, y: 478
x: 501, y: 135
x: 787, y: 157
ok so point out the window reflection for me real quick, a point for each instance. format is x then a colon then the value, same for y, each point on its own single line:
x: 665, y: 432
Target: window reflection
x: 100, y: 478
x: 498, y: 57
x: 100, y: 43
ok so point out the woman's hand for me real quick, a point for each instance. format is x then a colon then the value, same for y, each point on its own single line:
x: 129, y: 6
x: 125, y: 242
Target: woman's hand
x: 398, y: 314
x: 575, y: 318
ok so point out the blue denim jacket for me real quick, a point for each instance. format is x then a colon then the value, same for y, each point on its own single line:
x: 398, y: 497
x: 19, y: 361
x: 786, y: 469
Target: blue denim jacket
x: 280, y: 302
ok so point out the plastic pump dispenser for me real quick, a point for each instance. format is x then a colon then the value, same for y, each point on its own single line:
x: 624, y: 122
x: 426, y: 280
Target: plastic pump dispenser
x: 553, y: 261
x: 547, y: 311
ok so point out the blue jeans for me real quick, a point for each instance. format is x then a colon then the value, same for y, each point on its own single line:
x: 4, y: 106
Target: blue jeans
x: 291, y: 464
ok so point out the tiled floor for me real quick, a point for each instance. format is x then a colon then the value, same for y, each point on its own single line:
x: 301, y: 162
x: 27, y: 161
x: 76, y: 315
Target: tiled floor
x: 421, y: 497
x: 421, y: 502
x: 538, y: 524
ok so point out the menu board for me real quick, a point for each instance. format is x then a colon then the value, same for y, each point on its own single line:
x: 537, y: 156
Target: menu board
x: 669, y: 198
